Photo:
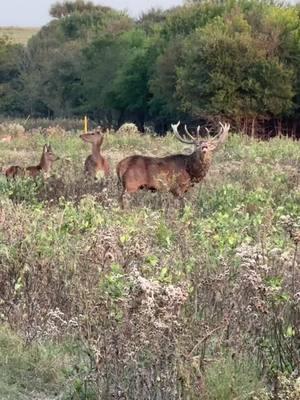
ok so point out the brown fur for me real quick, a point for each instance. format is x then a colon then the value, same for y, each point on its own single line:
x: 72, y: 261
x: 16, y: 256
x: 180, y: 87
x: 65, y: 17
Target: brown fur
x: 176, y: 173
x: 44, y: 166
x: 6, y: 139
x: 95, y: 162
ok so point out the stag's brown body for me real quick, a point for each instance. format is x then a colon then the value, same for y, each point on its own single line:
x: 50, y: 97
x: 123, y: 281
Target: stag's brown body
x: 44, y: 166
x: 95, y: 162
x: 175, y: 173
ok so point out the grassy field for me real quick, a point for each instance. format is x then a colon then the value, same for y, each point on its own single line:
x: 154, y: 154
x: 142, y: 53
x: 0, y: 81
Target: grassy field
x: 17, y: 34
x: 97, y: 302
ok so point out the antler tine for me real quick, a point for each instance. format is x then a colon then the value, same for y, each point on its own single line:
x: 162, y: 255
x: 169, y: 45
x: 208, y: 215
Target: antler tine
x: 198, y: 132
x: 223, y: 128
x: 175, y: 130
x: 188, y: 133
x: 207, y: 131
x: 225, y: 133
x: 222, y: 135
x: 175, y: 126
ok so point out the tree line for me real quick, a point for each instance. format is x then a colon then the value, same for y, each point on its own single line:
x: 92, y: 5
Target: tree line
x: 205, y: 60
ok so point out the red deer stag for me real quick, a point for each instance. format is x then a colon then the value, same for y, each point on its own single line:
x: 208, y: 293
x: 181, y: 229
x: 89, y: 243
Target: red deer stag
x: 95, y: 162
x: 175, y: 173
x: 44, y: 166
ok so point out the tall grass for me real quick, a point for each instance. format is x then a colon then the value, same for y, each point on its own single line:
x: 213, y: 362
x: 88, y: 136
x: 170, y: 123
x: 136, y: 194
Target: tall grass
x: 162, y: 305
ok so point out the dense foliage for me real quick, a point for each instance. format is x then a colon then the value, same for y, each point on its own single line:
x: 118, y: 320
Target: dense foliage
x: 239, y: 59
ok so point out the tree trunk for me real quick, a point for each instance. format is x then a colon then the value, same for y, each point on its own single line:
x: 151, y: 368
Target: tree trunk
x: 294, y: 129
x: 253, y: 128
x: 279, y: 128
x: 245, y: 126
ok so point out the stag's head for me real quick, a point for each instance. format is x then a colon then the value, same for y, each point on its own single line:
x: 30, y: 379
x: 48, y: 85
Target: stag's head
x: 203, y: 146
x: 95, y: 136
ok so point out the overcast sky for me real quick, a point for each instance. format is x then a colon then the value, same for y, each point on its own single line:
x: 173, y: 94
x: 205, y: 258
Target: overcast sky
x: 35, y: 12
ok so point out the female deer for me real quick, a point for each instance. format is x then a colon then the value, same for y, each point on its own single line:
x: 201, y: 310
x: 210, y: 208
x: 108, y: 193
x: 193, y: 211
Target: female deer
x: 95, y: 162
x: 44, y: 166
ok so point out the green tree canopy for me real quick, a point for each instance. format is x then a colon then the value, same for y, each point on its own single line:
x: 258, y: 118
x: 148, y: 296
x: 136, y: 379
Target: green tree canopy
x: 233, y: 58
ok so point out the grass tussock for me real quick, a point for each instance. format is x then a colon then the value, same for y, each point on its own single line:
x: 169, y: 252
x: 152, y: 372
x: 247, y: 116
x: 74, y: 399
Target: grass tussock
x: 203, y: 304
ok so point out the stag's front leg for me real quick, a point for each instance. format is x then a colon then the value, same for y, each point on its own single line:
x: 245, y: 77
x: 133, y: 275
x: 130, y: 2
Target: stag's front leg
x: 178, y: 194
x: 183, y: 185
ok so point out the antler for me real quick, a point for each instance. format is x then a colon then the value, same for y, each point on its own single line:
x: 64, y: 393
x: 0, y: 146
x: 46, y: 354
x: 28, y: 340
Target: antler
x: 224, y: 131
x: 188, y: 133
x: 207, y: 131
x: 191, y: 136
x: 216, y: 141
x: 222, y: 135
x: 175, y: 130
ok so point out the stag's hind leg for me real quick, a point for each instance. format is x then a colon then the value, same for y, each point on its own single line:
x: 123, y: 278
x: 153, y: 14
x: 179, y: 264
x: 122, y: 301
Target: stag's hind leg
x: 14, y: 171
x: 121, y: 198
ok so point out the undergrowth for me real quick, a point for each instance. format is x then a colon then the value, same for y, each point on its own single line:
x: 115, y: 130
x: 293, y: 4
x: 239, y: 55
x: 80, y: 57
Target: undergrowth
x: 99, y: 302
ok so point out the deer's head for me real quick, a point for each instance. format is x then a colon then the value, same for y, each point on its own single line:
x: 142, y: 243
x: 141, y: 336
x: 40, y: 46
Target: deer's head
x: 48, y: 153
x: 95, y: 137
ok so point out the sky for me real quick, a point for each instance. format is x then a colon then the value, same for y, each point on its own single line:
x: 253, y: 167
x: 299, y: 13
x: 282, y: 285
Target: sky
x: 34, y: 13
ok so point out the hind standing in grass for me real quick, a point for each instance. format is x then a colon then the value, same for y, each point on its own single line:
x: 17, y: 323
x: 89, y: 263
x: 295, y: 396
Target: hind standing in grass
x: 44, y: 166
x: 95, y: 164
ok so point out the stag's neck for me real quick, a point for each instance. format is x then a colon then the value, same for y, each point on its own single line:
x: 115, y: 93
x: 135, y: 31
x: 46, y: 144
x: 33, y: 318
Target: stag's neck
x: 198, y: 165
